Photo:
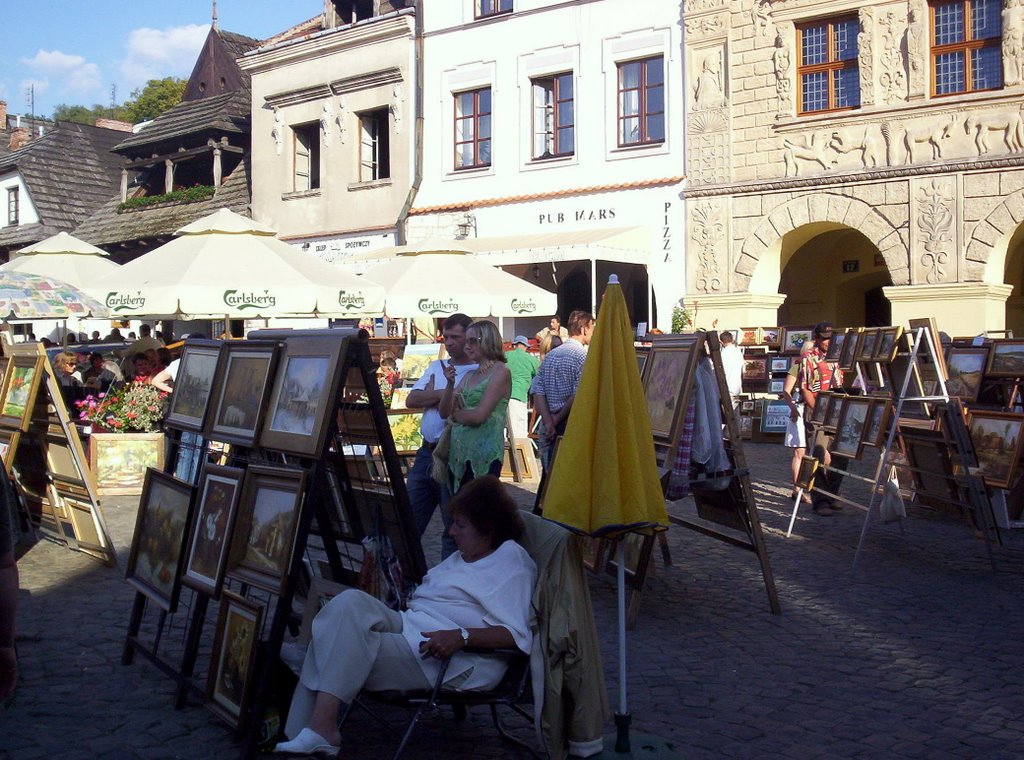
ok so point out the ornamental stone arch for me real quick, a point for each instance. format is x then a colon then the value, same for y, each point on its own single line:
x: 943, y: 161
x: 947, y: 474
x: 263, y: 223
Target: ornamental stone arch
x: 831, y: 210
x: 986, y: 253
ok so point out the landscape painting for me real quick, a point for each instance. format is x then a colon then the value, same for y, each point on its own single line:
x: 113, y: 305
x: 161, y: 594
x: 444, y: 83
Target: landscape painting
x: 1006, y: 359
x: 193, y: 385
x: 966, y: 367
x: 299, y: 395
x: 997, y: 444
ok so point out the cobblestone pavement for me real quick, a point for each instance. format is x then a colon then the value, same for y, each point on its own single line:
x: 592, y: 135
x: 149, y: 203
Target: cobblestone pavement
x: 916, y: 654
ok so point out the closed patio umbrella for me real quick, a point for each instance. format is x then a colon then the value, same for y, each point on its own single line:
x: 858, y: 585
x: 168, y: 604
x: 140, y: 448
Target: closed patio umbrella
x: 227, y: 265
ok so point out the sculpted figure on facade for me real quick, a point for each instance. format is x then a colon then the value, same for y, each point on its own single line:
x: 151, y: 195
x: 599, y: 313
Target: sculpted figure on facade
x: 916, y: 53
x: 707, y: 91
x: 783, y: 87
x: 706, y: 26
x: 396, y: 106
x: 871, y: 143
x: 277, y: 132
x: 342, y: 119
x: 707, y: 228
x: 936, y: 229
x: 892, y: 76
x: 761, y: 16
x: 931, y: 133
x: 1013, y: 43
x: 1008, y: 123
x: 817, y: 149
x: 326, y: 121
x: 866, y: 57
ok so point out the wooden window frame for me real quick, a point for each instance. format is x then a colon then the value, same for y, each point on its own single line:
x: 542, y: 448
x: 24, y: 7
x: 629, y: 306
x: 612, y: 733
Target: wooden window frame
x: 312, y: 129
x: 642, y: 113
x: 13, y: 205
x: 556, y: 108
x: 966, y: 47
x: 379, y: 164
x: 831, y: 64
x: 476, y: 139
x: 479, y: 12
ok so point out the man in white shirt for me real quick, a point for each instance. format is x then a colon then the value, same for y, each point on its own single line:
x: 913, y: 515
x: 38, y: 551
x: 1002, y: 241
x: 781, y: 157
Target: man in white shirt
x: 732, y: 363
x: 425, y: 494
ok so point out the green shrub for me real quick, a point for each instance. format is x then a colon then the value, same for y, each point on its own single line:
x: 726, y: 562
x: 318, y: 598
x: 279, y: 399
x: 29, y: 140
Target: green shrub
x: 186, y: 195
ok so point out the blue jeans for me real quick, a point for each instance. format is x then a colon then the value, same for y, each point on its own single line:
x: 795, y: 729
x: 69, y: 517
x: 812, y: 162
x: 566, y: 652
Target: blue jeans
x: 425, y: 494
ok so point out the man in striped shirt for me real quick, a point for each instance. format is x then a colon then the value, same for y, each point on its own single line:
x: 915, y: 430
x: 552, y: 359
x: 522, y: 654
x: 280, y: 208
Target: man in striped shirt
x: 554, y: 388
x: 817, y: 375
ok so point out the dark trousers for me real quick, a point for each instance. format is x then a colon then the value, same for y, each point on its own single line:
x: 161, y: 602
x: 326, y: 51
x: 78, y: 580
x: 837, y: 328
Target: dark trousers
x: 830, y: 480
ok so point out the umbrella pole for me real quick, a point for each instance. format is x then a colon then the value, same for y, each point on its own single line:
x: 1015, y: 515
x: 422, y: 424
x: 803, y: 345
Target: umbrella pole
x: 622, y: 718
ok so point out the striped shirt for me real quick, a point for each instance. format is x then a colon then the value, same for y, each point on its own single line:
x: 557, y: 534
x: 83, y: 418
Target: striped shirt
x: 559, y: 374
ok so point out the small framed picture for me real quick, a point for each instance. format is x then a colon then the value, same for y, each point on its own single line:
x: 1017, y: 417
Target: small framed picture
x: 240, y: 391
x: 805, y: 476
x: 1006, y: 359
x: 851, y: 426
x: 868, y: 342
x: 229, y: 687
x: 399, y: 395
x: 775, y: 416
x: 821, y: 404
x: 305, y: 386
x: 794, y: 338
x: 848, y: 351
x: 779, y: 364
x: 264, y: 535
x: 966, y: 367
x: 997, y: 438
x: 746, y: 426
x: 21, y: 384
x: 9, y: 447
x: 776, y: 384
x: 770, y: 336
x: 161, y: 527
x: 835, y: 346
x: 877, y: 424
x: 888, y: 343
x: 747, y: 407
x: 193, y: 385
x: 417, y: 358
x: 219, y: 489
x: 931, y: 328
x: 835, y: 409
x: 750, y: 336
x: 755, y: 368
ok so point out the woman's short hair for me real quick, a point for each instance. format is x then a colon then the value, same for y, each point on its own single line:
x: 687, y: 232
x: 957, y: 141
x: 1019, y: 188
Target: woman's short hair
x: 490, y: 340
x: 485, y: 502
x: 65, y: 357
x: 550, y: 342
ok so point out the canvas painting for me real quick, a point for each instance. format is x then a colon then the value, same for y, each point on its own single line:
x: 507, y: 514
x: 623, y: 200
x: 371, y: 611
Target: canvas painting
x: 805, y: 475
x: 417, y: 358
x: 755, y: 368
x: 835, y: 409
x: 851, y: 426
x: 848, y: 353
x: 301, y: 387
x: 770, y: 336
x: 888, y: 343
x: 749, y: 336
x: 666, y: 373
x: 875, y: 427
x: 1006, y: 359
x: 193, y: 385
x: 229, y: 686
x: 835, y: 346
x: 399, y: 396
x: 997, y: 444
x: 794, y: 338
x: 405, y: 429
x: 966, y: 367
x: 240, y: 392
x: 120, y: 460
x: 154, y: 563
x: 215, y: 516
x: 21, y: 384
x: 868, y: 343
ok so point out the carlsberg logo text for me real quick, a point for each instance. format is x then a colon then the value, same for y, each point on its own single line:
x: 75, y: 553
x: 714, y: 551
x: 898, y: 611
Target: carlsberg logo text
x: 351, y: 300
x: 428, y: 306
x: 523, y: 307
x: 237, y: 299
x: 125, y: 302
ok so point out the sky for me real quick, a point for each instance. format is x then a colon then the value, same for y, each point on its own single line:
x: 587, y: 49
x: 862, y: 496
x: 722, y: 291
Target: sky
x: 74, y: 51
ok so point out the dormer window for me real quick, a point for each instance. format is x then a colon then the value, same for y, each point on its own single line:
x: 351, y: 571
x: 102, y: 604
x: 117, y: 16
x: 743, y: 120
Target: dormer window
x: 351, y: 11
x: 12, y: 205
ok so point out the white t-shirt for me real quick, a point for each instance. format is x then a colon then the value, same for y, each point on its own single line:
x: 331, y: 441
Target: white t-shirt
x: 732, y: 363
x: 433, y: 425
x: 494, y: 590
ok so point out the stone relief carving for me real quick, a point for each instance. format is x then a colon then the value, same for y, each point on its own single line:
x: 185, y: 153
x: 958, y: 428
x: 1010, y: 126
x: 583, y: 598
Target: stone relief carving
x: 866, y: 57
x: 396, y: 106
x: 326, y: 117
x: 872, y: 144
x: 707, y: 231
x: 1009, y: 123
x: 342, y: 119
x: 708, y: 147
x: 277, y: 132
x: 761, y: 16
x: 929, y: 132
x: 892, y: 77
x: 693, y: 6
x: 781, y: 61
x: 816, y: 149
x: 1013, y: 43
x: 708, y: 91
x: 706, y: 26
x: 936, y: 228
x: 916, y: 53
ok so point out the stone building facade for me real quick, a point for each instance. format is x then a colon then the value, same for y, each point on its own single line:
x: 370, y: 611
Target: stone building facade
x: 859, y: 163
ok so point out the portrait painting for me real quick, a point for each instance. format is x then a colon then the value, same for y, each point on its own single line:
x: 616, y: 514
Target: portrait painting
x: 755, y: 368
x: 770, y: 336
x: 851, y: 426
x: 161, y: 527
x: 794, y: 338
x: 193, y: 385
x: 1006, y: 359
x: 20, y: 388
x: 666, y: 371
x: 868, y: 343
x: 219, y: 489
x: 305, y: 386
x: 240, y: 391
x: 966, y: 367
x: 229, y: 687
x: 997, y: 444
x: 264, y: 536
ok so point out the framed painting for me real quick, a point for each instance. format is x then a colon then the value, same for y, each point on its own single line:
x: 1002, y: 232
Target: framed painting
x: 1006, y: 359
x: 966, y: 367
x: 779, y: 364
x: 997, y: 438
x: 835, y: 346
x: 666, y: 372
x: 927, y: 453
x: 776, y: 384
x: 888, y: 343
x: 216, y: 505
x: 240, y: 391
x: 321, y: 591
x: 161, y: 528
x: 9, y: 447
x: 264, y: 536
x: 877, y: 422
x: 866, y: 347
x: 121, y: 460
x: 820, y: 412
x: 189, y: 456
x: 805, y: 475
x: 848, y: 353
x: 405, y: 429
x: 930, y: 327
x: 775, y: 416
x: 749, y: 336
x: 641, y: 359
x: 770, y: 336
x: 746, y: 426
x: 21, y: 384
x: 305, y: 387
x: 792, y: 339
x: 755, y: 368
x: 835, y: 409
x: 417, y: 358
x: 193, y: 384
x: 851, y: 426
x: 400, y: 395
x: 746, y: 406
x: 229, y: 687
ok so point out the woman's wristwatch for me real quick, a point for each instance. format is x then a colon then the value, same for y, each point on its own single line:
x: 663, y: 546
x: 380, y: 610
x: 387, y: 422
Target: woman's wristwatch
x: 465, y: 636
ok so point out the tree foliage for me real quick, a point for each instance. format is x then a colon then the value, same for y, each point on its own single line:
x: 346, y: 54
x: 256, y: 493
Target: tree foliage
x: 152, y: 100
x: 85, y: 114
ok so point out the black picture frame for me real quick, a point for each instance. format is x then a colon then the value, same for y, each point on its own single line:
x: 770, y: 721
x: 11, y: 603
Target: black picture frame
x: 193, y: 385
x: 239, y: 398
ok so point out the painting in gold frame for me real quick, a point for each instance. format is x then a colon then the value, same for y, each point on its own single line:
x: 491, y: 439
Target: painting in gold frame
x: 668, y: 369
x: 229, y: 686
x: 997, y: 439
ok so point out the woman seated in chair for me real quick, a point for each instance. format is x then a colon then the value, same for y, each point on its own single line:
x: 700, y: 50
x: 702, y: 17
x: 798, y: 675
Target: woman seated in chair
x: 479, y: 596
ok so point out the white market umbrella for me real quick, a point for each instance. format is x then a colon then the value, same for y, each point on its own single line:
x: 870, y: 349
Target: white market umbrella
x: 436, y: 281
x: 227, y: 265
x: 64, y: 257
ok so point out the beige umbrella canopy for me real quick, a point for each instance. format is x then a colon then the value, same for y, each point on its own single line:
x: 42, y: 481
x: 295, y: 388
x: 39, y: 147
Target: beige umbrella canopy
x: 64, y: 257
x: 226, y: 264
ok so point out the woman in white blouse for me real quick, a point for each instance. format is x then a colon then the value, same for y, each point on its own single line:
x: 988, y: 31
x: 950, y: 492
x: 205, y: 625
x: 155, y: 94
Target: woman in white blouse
x: 478, y: 596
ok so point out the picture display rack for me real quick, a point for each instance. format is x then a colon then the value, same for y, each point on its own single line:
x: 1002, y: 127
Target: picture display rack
x: 349, y: 487
x: 49, y: 466
x: 728, y: 515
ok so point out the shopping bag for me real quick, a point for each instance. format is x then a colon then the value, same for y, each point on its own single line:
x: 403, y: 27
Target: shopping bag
x: 891, y: 507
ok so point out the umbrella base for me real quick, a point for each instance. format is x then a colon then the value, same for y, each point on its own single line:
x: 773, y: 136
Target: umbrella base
x: 646, y: 746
